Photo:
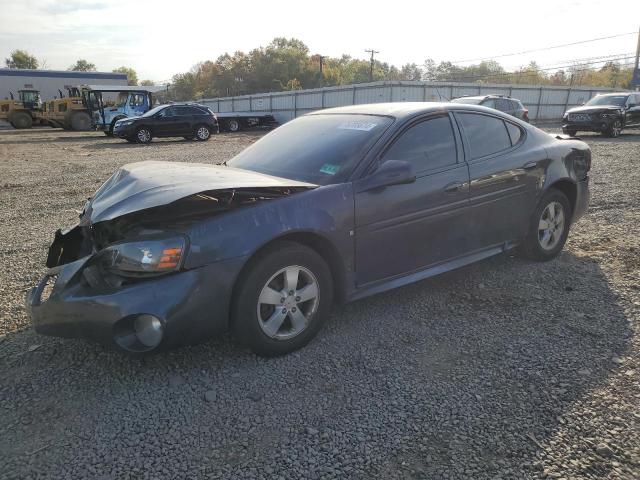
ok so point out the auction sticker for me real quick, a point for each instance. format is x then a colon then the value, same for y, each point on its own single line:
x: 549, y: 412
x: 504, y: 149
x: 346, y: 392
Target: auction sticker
x: 363, y: 126
x: 329, y: 169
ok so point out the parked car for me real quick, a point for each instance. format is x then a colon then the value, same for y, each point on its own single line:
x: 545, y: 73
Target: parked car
x: 188, y: 120
x: 508, y: 105
x: 608, y: 114
x: 342, y: 203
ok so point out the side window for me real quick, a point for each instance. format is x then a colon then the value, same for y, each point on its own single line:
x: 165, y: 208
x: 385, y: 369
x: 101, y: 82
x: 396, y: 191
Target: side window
x: 429, y: 144
x: 515, y: 133
x: 182, y: 111
x: 485, y: 134
x: 169, y: 112
x: 503, y: 105
x: 489, y: 102
x: 136, y: 100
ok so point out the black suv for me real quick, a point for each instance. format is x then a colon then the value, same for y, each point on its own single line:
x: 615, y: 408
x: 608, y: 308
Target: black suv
x: 188, y: 120
x: 608, y: 114
x: 508, y: 105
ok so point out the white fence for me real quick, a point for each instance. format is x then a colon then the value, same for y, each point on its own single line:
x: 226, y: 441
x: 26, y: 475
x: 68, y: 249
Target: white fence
x: 544, y: 102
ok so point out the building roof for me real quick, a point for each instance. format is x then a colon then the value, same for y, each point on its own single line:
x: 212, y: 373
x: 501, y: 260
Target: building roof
x: 24, y: 72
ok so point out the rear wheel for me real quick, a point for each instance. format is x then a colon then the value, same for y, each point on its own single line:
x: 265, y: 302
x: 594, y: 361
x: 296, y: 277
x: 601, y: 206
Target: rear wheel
x: 570, y: 132
x: 143, y: 135
x: 21, y: 120
x: 203, y: 133
x: 282, y: 300
x: 233, y: 125
x: 80, y: 122
x: 549, y: 227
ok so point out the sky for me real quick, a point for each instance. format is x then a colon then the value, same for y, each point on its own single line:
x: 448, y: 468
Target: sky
x: 161, y: 38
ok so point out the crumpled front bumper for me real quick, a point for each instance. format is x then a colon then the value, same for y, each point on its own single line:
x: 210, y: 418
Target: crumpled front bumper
x: 192, y: 305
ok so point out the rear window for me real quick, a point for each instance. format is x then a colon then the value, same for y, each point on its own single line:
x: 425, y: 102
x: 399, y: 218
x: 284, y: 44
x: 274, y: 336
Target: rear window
x: 486, y: 135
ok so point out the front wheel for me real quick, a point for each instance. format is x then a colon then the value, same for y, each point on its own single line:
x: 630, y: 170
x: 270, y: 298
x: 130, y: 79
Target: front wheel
x: 143, y: 135
x: 282, y: 300
x: 80, y: 122
x: 549, y: 227
x: 203, y: 133
x: 614, y: 130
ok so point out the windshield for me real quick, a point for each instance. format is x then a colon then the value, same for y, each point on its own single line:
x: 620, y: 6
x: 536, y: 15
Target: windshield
x: 154, y: 110
x: 320, y: 149
x: 468, y: 100
x: 617, y: 100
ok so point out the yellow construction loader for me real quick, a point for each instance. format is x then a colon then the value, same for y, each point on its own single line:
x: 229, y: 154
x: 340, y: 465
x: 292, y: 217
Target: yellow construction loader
x: 24, y: 111
x: 67, y: 112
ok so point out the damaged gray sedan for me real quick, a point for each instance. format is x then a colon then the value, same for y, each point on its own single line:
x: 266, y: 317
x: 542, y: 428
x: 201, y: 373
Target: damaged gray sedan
x: 335, y: 205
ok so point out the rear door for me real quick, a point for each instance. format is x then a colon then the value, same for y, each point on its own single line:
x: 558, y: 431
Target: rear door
x: 184, y: 120
x: 404, y: 228
x: 504, y: 176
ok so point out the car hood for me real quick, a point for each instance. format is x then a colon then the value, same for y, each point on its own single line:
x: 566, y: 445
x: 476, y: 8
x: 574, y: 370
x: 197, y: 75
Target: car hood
x: 128, y: 119
x: 594, y: 109
x: 142, y: 185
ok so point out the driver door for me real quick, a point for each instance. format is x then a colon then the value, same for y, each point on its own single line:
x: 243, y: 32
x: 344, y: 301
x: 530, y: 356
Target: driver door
x: 408, y: 227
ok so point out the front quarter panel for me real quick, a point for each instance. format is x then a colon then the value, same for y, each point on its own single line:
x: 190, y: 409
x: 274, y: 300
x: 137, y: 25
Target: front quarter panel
x: 325, y: 211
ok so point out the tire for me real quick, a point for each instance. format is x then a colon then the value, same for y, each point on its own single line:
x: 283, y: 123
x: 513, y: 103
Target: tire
x: 266, y: 276
x: 548, y: 227
x: 143, y: 135
x: 567, y: 131
x: 233, y: 125
x: 203, y: 133
x: 21, y: 120
x: 614, y: 130
x: 80, y: 122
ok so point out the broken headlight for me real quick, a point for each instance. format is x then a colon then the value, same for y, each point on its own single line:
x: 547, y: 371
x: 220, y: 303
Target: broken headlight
x: 144, y: 257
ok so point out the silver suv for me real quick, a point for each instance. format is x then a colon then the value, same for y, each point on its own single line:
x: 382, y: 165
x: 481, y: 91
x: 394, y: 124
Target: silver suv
x: 511, y: 106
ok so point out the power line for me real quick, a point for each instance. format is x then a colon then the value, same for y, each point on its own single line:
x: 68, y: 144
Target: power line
x: 584, y: 66
x: 545, y: 48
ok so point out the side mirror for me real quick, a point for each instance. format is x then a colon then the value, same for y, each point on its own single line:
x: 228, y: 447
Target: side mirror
x: 391, y: 172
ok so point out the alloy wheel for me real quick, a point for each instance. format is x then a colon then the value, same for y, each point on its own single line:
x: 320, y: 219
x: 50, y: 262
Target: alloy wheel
x: 616, y: 129
x: 287, y: 302
x: 203, y: 133
x: 144, y: 135
x: 551, y: 226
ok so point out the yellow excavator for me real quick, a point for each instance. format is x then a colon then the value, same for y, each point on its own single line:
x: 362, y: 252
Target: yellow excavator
x: 24, y: 111
x: 68, y: 112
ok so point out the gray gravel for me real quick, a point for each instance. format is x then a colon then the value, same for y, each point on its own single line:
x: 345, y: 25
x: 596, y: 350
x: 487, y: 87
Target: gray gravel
x: 505, y: 369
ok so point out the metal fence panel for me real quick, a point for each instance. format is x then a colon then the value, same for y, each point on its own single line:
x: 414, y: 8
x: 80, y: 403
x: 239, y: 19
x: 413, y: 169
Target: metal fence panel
x: 547, y: 102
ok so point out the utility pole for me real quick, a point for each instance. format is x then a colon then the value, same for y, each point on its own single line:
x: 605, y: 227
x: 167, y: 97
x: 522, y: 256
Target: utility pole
x: 636, y: 70
x: 372, y: 52
x: 322, y: 57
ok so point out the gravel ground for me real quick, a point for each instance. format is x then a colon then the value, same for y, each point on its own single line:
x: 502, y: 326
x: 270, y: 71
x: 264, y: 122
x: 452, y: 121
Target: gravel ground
x: 505, y: 369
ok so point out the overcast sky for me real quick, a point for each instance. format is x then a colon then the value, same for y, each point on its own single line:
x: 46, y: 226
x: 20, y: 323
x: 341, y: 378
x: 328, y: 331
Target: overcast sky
x: 161, y: 38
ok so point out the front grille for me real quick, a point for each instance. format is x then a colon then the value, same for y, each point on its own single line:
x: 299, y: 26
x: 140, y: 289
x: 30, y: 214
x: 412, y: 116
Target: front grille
x: 579, y: 117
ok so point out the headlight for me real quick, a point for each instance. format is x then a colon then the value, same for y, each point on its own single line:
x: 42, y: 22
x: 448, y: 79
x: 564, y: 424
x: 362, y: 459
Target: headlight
x: 144, y: 257
x: 610, y: 115
x: 122, y: 124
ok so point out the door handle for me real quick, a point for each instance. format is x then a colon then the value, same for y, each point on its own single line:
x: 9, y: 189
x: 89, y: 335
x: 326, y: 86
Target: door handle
x: 530, y: 165
x: 453, y: 187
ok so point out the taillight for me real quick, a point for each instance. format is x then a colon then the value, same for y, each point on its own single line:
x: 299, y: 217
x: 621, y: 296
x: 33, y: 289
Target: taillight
x: 525, y: 114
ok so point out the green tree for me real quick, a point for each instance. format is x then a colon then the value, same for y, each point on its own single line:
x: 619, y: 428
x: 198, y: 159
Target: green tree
x: 83, y: 65
x: 147, y: 83
x: 132, y: 76
x: 21, y: 59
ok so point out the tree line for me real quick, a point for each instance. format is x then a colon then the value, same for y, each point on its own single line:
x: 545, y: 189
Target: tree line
x: 287, y: 64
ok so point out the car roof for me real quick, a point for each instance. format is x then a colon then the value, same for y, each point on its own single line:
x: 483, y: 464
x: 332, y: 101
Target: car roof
x: 613, y: 94
x: 402, y: 109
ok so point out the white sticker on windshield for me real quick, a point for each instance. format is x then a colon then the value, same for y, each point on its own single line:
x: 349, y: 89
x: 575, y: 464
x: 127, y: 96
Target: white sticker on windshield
x: 364, y: 126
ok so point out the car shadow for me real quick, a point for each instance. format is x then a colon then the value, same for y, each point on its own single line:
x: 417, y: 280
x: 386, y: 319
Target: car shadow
x: 476, y: 369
